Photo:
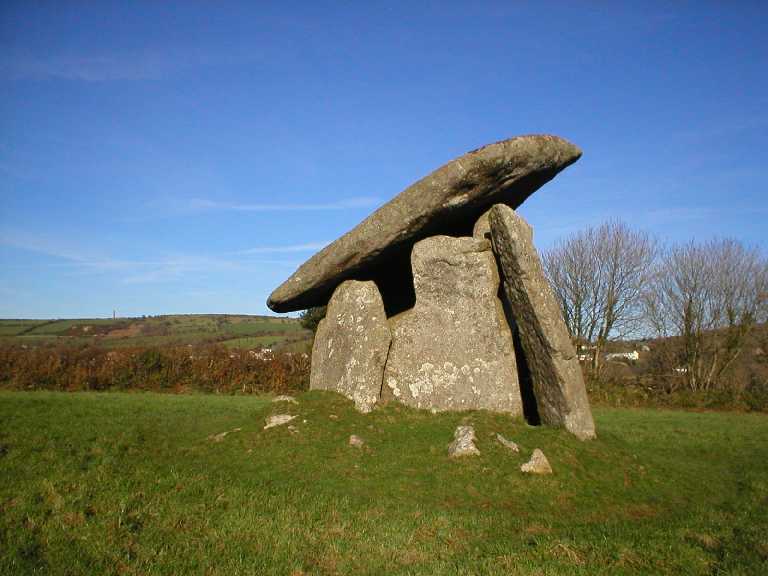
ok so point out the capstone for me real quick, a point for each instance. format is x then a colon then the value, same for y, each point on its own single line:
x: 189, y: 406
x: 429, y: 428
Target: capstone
x: 447, y: 201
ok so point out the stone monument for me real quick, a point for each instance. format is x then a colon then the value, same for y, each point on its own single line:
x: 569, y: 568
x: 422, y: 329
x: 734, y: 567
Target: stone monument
x: 426, y: 295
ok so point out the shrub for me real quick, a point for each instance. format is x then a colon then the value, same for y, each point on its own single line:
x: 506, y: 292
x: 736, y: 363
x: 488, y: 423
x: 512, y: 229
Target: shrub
x: 310, y: 318
x: 209, y: 368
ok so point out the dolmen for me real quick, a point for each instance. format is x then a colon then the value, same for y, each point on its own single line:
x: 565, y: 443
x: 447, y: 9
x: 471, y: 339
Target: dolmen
x: 438, y: 299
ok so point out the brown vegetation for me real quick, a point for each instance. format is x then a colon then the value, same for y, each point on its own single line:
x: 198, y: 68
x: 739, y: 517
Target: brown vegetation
x: 207, y: 368
x: 702, y: 303
x: 660, y: 378
x: 709, y: 296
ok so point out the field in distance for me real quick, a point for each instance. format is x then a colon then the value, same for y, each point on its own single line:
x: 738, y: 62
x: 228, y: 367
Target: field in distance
x: 234, y: 331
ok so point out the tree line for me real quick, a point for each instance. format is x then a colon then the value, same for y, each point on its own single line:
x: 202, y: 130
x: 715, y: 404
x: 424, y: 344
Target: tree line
x: 704, y: 297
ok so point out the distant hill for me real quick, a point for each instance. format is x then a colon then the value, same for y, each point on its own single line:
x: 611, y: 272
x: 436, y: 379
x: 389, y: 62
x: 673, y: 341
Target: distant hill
x: 236, y: 331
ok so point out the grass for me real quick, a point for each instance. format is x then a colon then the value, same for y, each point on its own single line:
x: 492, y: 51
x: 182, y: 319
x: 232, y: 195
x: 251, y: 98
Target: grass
x: 131, y: 484
x: 59, y: 327
x: 253, y: 342
x: 15, y: 327
x: 157, y: 331
x: 251, y: 328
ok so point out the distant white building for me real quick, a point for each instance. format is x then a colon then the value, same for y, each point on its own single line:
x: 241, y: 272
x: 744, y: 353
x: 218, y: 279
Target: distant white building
x: 262, y: 354
x: 585, y: 353
x: 633, y: 356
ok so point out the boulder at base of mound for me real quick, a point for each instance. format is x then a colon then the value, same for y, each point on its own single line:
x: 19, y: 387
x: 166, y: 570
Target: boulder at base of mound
x: 356, y: 441
x: 538, y: 464
x: 277, y: 420
x: 507, y: 443
x: 351, y: 345
x: 453, y: 350
x: 463, y: 442
x: 558, y: 383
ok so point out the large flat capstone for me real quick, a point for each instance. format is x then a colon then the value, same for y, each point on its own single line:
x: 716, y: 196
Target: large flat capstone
x: 556, y: 376
x: 447, y: 201
x: 351, y: 345
x: 453, y: 350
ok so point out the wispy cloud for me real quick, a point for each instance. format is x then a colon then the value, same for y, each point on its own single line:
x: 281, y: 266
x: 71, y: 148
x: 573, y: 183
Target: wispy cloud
x: 107, y: 66
x: 684, y: 213
x: 201, y: 204
x: 88, y: 68
x: 166, y: 268
x: 60, y: 250
x: 165, y: 207
x: 175, y: 267
x: 308, y: 247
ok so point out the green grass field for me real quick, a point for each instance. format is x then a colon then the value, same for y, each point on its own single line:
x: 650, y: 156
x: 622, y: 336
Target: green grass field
x: 235, y: 331
x: 16, y: 327
x: 130, y: 484
x: 254, y: 342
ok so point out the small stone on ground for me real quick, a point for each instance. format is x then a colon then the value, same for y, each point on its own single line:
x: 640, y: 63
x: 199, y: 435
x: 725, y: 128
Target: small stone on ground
x: 538, y: 464
x: 278, y: 420
x: 356, y: 441
x: 507, y: 443
x: 221, y: 435
x: 464, y: 442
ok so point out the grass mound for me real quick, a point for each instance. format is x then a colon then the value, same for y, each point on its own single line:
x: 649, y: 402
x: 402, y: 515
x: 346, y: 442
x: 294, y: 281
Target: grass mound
x: 136, y: 484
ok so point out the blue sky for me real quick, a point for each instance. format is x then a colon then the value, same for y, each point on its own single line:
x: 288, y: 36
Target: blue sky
x: 186, y: 157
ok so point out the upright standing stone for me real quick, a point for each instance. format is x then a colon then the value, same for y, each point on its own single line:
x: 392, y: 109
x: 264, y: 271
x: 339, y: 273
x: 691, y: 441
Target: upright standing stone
x: 463, y: 442
x: 558, y: 384
x: 351, y: 345
x: 482, y: 228
x: 453, y: 350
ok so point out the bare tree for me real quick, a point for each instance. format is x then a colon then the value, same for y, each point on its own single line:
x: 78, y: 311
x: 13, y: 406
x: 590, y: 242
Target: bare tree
x: 572, y: 270
x: 710, y: 295
x: 599, y: 275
